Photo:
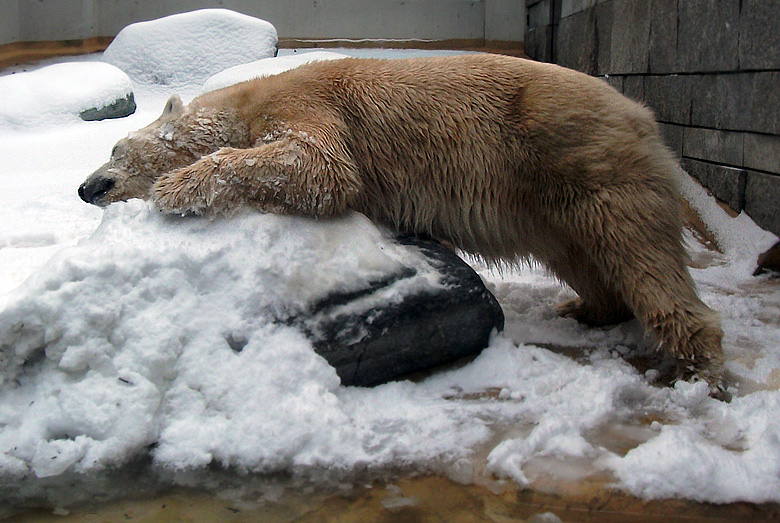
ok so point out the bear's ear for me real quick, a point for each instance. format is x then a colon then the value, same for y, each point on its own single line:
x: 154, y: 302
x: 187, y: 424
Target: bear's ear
x: 174, y: 106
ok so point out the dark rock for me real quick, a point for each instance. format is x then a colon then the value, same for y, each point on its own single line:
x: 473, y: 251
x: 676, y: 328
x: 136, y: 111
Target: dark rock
x: 119, y: 109
x: 722, y: 101
x: 538, y: 43
x: 745, y: 101
x: 634, y: 87
x: 604, y: 22
x: 765, y: 111
x: 615, y: 81
x: 578, y: 43
x: 421, y: 329
x: 769, y: 261
x: 539, y: 14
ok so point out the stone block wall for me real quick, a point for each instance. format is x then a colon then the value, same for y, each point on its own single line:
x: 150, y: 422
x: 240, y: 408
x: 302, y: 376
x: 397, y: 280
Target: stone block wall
x: 710, y: 69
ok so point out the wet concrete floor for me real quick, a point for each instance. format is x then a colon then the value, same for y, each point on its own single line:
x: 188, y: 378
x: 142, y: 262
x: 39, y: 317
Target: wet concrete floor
x: 415, y: 499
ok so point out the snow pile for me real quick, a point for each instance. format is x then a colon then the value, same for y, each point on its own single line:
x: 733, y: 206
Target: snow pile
x: 733, y: 455
x: 126, y: 340
x: 265, y: 67
x: 185, y: 49
x: 59, y: 93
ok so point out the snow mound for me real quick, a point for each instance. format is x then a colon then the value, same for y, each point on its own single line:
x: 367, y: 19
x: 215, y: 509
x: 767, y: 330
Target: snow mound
x: 127, y: 340
x: 59, y: 93
x: 187, y: 48
x: 265, y: 67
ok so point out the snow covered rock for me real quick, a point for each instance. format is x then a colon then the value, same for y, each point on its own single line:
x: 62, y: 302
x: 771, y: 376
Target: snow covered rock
x: 122, y: 341
x: 63, y: 93
x: 265, y: 67
x: 187, y: 48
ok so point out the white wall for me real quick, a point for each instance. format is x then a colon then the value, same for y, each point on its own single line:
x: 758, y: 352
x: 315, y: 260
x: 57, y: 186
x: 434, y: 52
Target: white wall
x: 9, y: 21
x: 41, y: 20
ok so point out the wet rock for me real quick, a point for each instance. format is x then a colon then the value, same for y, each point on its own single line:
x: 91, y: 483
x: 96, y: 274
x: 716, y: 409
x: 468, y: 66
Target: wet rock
x: 769, y: 261
x: 120, y: 108
x: 415, y: 331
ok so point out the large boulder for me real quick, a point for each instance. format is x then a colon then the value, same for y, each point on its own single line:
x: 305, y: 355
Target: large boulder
x: 374, y: 335
x: 185, y: 49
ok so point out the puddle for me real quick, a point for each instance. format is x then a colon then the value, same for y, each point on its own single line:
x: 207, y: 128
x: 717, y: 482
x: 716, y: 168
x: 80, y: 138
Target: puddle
x: 411, y: 499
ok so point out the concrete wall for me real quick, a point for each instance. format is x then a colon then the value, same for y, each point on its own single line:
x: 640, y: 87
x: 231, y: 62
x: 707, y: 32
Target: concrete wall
x: 504, y: 20
x: 710, y: 69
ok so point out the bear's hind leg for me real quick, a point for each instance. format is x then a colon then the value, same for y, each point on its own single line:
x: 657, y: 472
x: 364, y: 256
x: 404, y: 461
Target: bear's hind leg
x: 637, y: 247
x: 596, y: 304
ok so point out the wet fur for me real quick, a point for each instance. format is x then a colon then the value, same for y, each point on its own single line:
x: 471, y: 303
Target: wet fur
x: 502, y: 157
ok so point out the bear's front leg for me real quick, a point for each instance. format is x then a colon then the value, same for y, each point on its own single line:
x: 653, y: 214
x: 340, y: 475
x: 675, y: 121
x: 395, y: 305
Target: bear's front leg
x: 209, y: 183
x: 287, y: 176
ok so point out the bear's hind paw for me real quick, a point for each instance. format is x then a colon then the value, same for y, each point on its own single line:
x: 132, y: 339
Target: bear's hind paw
x: 581, y: 311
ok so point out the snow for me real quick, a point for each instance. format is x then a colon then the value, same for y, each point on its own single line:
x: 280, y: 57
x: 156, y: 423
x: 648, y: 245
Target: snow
x: 130, y: 318
x: 187, y: 48
x: 57, y: 94
x: 265, y: 67
x: 114, y: 327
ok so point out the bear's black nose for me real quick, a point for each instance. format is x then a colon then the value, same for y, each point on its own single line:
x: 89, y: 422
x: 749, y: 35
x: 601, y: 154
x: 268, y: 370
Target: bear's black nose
x: 93, y: 190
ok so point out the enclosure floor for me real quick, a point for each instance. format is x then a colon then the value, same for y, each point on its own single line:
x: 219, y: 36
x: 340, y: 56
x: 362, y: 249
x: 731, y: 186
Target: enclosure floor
x: 420, y: 499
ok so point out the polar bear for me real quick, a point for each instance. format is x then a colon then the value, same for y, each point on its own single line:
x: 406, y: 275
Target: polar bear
x: 502, y: 157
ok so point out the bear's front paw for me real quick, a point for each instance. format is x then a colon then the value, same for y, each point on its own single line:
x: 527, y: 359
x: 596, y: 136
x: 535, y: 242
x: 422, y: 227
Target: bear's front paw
x: 176, y: 194
x: 193, y: 190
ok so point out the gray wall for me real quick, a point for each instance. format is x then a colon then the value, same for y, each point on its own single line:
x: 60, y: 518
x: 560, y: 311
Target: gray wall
x: 45, y: 20
x: 710, y: 69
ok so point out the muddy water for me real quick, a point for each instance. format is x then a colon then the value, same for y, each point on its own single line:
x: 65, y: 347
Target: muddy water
x: 423, y: 499
x: 567, y: 491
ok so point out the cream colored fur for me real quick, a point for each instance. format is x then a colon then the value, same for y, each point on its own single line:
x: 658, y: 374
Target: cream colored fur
x: 502, y: 157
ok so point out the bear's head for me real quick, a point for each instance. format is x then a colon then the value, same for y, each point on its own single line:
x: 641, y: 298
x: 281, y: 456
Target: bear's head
x: 179, y: 137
